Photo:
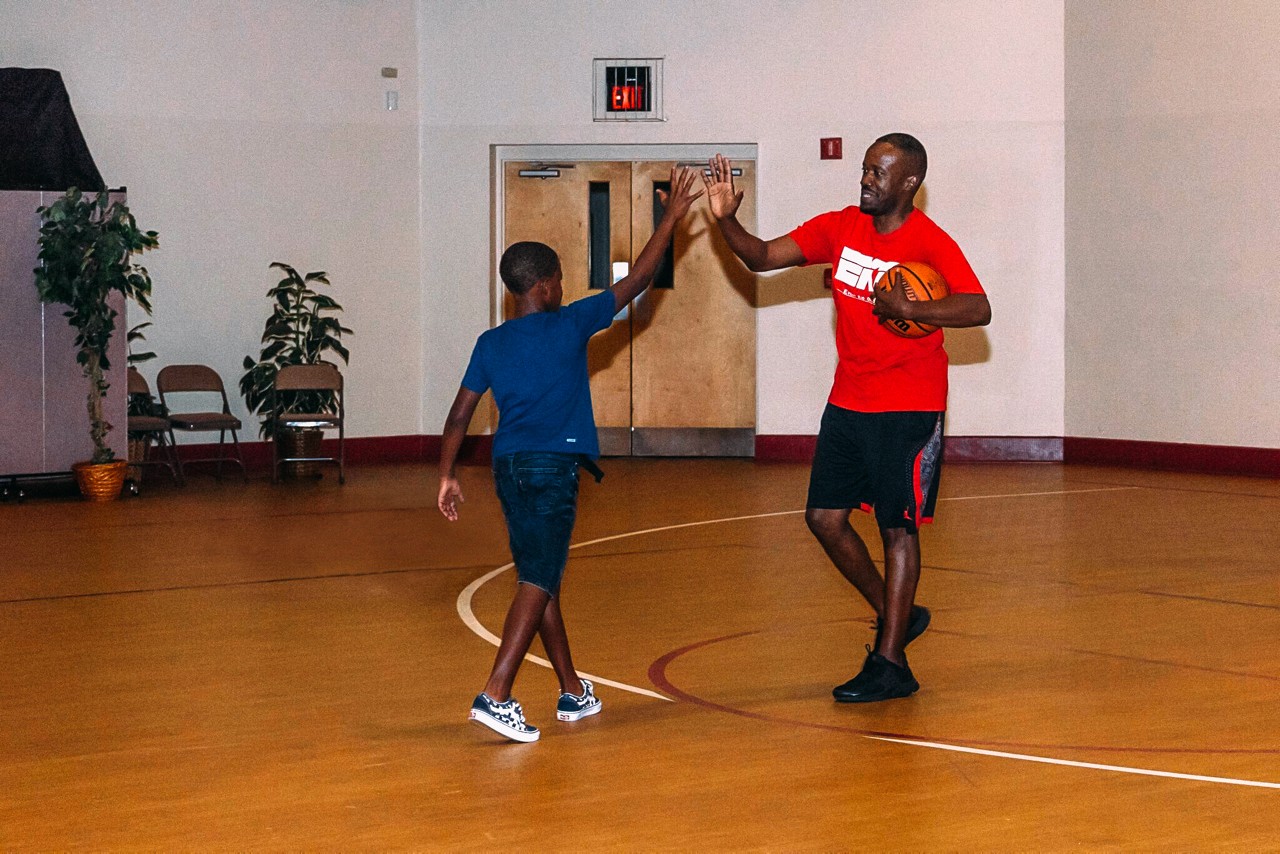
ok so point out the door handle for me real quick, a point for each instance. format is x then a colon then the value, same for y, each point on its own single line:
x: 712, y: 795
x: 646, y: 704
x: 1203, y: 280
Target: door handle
x: 698, y: 164
x: 620, y: 271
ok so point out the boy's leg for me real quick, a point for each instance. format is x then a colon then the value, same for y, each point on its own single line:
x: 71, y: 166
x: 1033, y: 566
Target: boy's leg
x: 539, y: 500
x: 556, y: 643
x: 522, y: 623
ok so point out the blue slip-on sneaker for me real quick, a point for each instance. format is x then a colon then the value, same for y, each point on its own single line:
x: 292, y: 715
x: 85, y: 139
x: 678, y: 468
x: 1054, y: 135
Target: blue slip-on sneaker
x: 573, y: 707
x: 503, y: 718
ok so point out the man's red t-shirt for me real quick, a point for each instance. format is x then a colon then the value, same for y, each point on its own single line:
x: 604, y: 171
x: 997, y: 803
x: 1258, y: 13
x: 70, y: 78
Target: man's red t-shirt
x: 879, y: 371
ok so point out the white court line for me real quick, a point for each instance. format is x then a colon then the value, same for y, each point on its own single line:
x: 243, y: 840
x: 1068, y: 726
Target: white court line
x: 469, y: 618
x: 1123, y: 769
x: 1032, y: 494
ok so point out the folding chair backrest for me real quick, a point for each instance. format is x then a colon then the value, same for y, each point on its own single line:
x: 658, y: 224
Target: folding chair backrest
x: 306, y: 377
x: 189, y: 378
x: 138, y: 383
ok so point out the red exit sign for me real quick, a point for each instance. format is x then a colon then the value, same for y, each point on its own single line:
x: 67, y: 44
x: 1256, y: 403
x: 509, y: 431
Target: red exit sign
x: 626, y: 98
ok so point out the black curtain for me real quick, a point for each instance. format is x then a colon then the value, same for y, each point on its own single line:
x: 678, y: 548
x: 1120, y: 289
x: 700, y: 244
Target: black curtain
x: 41, y: 147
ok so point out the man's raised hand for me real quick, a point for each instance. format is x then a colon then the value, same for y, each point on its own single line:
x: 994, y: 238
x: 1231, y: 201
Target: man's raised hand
x: 724, y: 200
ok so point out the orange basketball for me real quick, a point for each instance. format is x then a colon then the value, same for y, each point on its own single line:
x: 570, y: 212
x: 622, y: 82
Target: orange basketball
x: 920, y: 282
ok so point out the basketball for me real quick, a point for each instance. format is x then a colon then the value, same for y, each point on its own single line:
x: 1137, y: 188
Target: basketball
x: 921, y: 282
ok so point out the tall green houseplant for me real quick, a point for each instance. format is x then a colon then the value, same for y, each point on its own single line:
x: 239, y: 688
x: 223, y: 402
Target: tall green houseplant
x: 87, y: 244
x: 301, y: 330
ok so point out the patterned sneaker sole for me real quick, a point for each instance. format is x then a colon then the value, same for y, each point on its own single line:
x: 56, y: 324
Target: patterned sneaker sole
x: 502, y: 728
x: 570, y: 717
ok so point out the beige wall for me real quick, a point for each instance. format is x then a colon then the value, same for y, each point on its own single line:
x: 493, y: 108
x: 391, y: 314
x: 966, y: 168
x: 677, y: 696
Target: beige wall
x: 252, y: 132
x: 1173, y: 325
x: 979, y: 82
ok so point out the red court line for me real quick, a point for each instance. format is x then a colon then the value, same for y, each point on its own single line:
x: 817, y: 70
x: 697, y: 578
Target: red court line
x: 658, y: 676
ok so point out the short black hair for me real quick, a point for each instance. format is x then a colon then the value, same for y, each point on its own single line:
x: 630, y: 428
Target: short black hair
x: 526, y: 263
x: 911, y: 147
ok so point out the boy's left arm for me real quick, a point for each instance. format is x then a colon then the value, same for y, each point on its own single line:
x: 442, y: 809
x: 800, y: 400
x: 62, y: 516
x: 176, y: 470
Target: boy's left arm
x: 677, y: 203
x: 455, y: 429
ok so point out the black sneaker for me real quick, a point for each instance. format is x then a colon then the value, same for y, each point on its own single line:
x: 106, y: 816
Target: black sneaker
x: 916, y: 625
x: 880, y: 679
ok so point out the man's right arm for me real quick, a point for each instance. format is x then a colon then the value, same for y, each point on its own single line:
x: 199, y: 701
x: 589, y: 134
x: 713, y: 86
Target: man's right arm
x: 759, y: 255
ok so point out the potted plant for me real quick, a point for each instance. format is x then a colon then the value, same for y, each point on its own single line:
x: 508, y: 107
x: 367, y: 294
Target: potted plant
x: 301, y: 330
x: 87, y: 244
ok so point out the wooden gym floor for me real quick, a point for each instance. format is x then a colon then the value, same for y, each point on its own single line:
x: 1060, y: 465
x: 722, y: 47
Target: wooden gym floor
x: 241, y: 668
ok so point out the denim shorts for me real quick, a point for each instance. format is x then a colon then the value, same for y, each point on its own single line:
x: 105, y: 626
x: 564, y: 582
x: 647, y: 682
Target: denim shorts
x: 539, y: 495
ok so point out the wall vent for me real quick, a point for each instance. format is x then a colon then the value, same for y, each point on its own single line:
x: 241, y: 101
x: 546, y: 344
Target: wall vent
x: 627, y: 90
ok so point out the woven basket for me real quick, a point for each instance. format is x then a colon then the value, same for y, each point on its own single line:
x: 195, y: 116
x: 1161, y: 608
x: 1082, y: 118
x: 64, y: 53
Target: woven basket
x: 100, y: 481
x: 137, y: 454
x: 300, y: 443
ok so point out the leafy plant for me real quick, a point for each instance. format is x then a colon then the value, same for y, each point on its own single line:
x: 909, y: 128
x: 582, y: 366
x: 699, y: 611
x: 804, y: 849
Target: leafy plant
x: 300, y: 331
x: 87, y: 244
x: 136, y: 334
x: 141, y: 403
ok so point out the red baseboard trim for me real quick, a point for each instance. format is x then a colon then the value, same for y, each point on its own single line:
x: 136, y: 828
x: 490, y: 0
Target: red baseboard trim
x: 367, y: 450
x: 785, y: 449
x: 1205, y: 459
x: 960, y: 449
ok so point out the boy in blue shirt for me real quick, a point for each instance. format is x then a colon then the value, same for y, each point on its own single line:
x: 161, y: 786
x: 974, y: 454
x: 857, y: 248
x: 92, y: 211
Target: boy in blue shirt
x: 536, y: 364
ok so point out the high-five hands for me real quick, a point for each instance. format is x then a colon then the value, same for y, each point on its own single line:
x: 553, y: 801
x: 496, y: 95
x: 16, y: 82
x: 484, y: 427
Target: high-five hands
x: 722, y: 197
x: 679, y: 200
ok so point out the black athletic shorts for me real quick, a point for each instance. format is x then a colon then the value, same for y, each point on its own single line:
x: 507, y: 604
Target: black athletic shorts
x: 886, y: 462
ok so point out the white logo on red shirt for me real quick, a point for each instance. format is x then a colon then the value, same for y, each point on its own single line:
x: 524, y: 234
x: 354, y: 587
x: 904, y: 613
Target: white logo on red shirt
x: 860, y: 272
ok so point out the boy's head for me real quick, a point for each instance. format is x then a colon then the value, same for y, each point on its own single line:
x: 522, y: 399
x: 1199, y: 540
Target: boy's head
x: 525, y: 264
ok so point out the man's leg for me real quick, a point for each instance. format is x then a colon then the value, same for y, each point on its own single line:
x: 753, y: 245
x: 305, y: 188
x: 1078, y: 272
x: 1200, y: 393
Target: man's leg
x: 523, y: 621
x: 556, y: 642
x: 849, y: 553
x: 901, y: 575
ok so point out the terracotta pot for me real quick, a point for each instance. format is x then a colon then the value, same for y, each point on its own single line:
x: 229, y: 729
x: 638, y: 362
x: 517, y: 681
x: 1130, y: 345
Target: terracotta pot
x: 300, y: 443
x: 100, y: 481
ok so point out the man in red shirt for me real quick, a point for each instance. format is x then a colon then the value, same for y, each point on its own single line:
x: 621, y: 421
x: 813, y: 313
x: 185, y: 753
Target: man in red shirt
x: 880, y: 444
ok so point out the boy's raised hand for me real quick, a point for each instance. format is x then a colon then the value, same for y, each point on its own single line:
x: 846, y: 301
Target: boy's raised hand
x: 721, y: 195
x: 680, y: 199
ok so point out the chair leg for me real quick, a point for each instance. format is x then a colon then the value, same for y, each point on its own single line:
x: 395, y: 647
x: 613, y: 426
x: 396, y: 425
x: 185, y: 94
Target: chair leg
x: 275, y: 457
x: 342, y: 456
x: 182, y: 476
x: 222, y: 439
x: 244, y: 472
x: 170, y: 456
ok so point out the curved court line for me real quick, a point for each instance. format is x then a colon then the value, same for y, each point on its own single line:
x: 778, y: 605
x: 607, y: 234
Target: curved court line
x: 468, y: 616
x: 468, y: 593
x: 659, y: 677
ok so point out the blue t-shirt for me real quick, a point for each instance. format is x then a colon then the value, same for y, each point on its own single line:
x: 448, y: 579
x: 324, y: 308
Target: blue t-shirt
x: 537, y: 368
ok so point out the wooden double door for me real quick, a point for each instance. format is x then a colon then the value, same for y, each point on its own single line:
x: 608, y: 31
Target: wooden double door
x: 675, y: 374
